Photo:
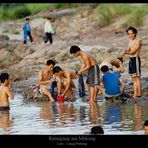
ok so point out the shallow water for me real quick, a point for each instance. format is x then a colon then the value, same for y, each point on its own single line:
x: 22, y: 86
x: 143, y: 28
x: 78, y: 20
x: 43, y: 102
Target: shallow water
x: 73, y: 118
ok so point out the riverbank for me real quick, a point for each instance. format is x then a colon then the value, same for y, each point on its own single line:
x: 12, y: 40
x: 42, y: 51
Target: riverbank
x: 80, y: 27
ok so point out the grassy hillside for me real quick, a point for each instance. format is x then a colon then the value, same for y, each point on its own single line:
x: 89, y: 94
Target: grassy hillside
x: 108, y: 13
x: 19, y: 10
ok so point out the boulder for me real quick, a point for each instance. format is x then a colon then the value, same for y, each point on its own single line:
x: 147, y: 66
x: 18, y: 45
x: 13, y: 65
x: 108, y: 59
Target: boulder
x: 4, y: 38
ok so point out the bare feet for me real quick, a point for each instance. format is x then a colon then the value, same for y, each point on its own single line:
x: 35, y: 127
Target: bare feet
x: 52, y: 100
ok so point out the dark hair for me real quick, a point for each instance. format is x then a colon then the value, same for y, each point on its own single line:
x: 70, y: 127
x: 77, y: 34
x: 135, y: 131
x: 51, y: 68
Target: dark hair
x: 74, y: 49
x: 97, y: 130
x: 146, y: 123
x: 133, y: 29
x: 49, y: 62
x: 27, y: 18
x: 57, y: 69
x: 117, y: 65
x: 3, y: 77
x: 121, y: 59
x: 104, y: 68
x: 49, y: 17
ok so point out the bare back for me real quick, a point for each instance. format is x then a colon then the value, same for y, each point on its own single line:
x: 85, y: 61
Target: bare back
x: 87, y: 58
x: 4, y: 96
x: 70, y: 73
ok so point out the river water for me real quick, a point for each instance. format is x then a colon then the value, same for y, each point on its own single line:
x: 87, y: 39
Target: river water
x: 73, y: 118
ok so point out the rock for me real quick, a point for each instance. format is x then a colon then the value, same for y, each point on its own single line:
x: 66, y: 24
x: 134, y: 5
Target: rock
x: 4, y: 38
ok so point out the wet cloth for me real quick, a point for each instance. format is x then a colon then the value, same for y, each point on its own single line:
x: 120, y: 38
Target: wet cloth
x: 81, y: 86
x: 49, y: 87
x: 93, y: 77
x: 53, y: 86
x: 135, y: 66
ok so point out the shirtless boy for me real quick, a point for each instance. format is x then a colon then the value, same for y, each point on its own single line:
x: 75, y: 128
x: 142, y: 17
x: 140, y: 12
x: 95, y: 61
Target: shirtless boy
x: 5, y: 92
x: 115, y: 65
x: 133, y: 51
x: 90, y: 65
x: 113, y: 62
x: 45, y: 80
x: 65, y: 82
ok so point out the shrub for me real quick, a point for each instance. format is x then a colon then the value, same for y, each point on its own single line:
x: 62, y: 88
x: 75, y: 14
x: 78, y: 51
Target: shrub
x: 21, y: 12
x: 108, y: 13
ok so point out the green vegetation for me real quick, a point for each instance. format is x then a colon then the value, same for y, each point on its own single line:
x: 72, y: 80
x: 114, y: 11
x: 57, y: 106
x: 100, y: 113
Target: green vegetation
x: 67, y: 5
x: 21, y: 10
x: 108, y: 13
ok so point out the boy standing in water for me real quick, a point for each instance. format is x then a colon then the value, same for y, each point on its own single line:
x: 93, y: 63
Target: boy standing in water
x: 133, y: 51
x: 90, y: 65
x: 5, y: 92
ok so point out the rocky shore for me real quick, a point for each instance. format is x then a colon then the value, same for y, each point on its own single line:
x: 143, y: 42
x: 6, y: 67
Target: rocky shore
x: 23, y: 62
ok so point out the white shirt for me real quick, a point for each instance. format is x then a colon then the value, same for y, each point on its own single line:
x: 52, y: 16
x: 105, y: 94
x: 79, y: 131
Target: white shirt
x: 48, y: 27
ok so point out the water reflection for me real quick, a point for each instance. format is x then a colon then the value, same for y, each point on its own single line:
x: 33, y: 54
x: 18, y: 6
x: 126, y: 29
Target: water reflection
x: 5, y: 122
x: 94, y: 113
x: 47, y: 113
x: 66, y: 114
x: 73, y: 117
x: 82, y: 114
x: 119, y: 116
x: 113, y: 114
x: 137, y: 117
x: 58, y: 114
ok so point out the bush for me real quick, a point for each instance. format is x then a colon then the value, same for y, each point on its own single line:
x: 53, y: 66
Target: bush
x: 137, y: 18
x: 21, y: 12
x: 66, y: 5
x: 35, y: 8
x: 109, y: 13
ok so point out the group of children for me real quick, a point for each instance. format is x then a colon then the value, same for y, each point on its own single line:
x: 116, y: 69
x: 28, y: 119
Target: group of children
x: 109, y: 84
x: 90, y: 65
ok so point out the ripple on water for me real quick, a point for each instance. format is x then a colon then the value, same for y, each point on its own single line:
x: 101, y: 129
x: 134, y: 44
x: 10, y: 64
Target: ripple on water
x: 72, y: 118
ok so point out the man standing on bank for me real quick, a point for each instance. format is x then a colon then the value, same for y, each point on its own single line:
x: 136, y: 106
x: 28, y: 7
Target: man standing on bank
x: 133, y: 51
x: 48, y: 31
x: 27, y: 31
